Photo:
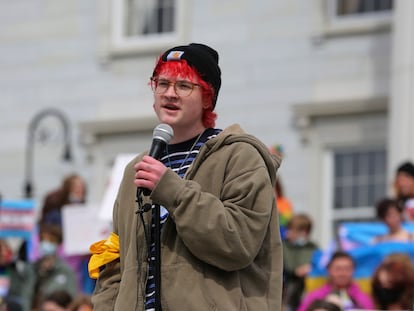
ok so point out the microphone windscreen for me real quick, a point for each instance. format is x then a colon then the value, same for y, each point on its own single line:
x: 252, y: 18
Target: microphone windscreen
x: 163, y: 132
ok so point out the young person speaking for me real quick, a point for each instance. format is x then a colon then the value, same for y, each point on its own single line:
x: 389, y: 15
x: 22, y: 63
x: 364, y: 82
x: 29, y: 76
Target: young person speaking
x: 220, y: 242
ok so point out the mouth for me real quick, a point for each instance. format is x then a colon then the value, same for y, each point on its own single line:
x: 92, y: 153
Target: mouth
x: 170, y: 107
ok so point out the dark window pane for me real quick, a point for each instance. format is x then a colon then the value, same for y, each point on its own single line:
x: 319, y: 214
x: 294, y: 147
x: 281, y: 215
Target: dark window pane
x: 338, y: 165
x: 144, y: 17
x: 349, y: 7
x: 338, y: 197
x: 359, y: 179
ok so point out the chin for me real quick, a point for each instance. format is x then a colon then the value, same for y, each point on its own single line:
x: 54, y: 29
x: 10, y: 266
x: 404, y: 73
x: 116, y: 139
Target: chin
x: 167, y: 120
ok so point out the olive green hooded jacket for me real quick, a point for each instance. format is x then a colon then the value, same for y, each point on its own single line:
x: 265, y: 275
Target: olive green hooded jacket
x: 220, y: 246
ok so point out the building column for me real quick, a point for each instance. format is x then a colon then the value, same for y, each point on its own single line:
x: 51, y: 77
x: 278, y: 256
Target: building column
x: 401, y: 105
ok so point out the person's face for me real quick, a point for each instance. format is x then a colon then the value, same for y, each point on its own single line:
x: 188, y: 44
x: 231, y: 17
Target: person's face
x: 48, y: 244
x: 298, y: 237
x: 51, y: 306
x: 6, y: 254
x: 393, y: 218
x: 341, y: 272
x: 84, y: 308
x: 77, y: 190
x: 384, y: 279
x: 177, y: 111
x: 404, y: 184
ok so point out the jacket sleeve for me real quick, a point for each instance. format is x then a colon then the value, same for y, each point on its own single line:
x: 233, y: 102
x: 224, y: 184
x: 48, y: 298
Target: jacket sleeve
x: 225, y: 229
x: 361, y: 299
x: 107, y: 284
x: 27, y: 285
x: 319, y: 293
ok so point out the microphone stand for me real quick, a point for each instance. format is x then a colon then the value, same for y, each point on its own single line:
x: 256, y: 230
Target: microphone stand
x: 157, y: 268
x: 157, y: 243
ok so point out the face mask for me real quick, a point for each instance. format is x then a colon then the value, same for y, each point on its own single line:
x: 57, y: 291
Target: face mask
x: 74, y: 199
x: 301, y: 241
x: 386, y: 296
x: 48, y: 248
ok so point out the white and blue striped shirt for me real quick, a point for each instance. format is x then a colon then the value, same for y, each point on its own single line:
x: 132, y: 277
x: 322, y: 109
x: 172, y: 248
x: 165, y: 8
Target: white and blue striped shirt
x: 177, y: 157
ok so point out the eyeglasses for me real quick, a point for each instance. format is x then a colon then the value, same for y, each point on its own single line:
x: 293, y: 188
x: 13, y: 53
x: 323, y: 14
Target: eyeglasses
x: 181, y: 88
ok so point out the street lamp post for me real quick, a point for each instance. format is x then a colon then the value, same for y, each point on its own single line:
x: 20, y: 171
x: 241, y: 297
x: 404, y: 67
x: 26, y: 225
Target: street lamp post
x: 34, y: 123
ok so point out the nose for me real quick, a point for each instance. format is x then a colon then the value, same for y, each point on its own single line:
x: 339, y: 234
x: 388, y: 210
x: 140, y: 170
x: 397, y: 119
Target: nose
x: 170, y: 90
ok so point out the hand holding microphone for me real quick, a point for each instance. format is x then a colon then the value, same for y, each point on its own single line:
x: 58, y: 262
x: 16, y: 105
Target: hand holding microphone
x: 149, y: 170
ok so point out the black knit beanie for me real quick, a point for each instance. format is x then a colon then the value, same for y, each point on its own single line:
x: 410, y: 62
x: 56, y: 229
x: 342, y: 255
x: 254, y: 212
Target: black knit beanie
x: 407, y: 168
x: 202, y: 58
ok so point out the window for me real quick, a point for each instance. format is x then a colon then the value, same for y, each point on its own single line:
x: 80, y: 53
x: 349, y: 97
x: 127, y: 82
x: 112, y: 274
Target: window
x: 351, y: 7
x: 139, y: 26
x: 146, y: 17
x: 359, y: 178
x: 349, y: 17
x: 347, y: 160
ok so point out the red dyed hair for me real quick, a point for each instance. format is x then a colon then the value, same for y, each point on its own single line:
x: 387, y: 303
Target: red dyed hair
x: 182, y: 69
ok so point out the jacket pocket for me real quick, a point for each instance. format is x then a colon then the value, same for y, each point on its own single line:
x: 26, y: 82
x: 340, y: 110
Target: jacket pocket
x: 183, y: 288
x: 129, y: 297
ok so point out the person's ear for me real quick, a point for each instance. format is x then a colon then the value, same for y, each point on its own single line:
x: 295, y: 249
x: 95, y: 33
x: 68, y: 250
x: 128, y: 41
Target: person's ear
x: 207, y: 105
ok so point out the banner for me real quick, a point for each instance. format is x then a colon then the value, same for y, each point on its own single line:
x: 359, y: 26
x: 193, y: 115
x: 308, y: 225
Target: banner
x: 366, y: 258
x: 357, y: 240
x: 356, y: 234
x: 17, y: 218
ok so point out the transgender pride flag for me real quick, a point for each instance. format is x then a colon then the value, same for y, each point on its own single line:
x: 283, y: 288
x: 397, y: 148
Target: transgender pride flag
x: 356, y: 234
x: 17, y: 218
x: 357, y: 240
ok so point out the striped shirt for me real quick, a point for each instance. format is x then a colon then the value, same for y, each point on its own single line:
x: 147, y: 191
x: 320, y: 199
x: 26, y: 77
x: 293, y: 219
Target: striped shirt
x: 177, y: 157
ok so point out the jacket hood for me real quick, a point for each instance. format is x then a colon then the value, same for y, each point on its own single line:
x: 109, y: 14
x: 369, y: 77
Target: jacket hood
x: 235, y: 134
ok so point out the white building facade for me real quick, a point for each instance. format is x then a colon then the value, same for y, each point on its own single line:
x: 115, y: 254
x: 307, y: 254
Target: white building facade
x: 331, y: 81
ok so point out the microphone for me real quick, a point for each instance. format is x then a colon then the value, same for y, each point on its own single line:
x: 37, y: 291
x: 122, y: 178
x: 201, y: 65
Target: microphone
x: 161, y: 136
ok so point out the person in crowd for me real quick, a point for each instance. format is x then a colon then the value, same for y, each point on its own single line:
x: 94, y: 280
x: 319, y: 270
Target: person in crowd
x: 10, y: 305
x: 284, y: 205
x: 81, y: 303
x: 72, y: 191
x: 219, y: 246
x: 409, y: 210
x: 52, y: 272
x: 393, y: 283
x: 297, y: 254
x: 391, y: 214
x: 404, y: 188
x: 58, y: 300
x: 340, y: 285
x: 16, y: 278
x: 323, y: 305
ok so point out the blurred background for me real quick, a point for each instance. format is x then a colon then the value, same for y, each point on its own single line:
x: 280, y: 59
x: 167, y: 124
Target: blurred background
x: 330, y: 81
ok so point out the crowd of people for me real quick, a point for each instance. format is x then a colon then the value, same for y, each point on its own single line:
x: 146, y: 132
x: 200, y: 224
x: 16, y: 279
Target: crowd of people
x: 51, y: 281
x: 391, y: 285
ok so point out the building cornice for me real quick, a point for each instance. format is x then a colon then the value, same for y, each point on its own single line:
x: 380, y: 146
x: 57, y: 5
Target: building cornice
x: 305, y: 113
x: 91, y: 129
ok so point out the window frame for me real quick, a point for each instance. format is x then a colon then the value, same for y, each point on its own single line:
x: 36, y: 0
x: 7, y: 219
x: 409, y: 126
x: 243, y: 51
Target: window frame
x: 120, y: 44
x: 334, y: 25
x: 359, y: 150
x: 322, y: 127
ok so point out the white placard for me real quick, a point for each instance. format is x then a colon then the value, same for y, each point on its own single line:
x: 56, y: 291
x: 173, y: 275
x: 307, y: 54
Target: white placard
x: 82, y: 227
x: 107, y: 204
